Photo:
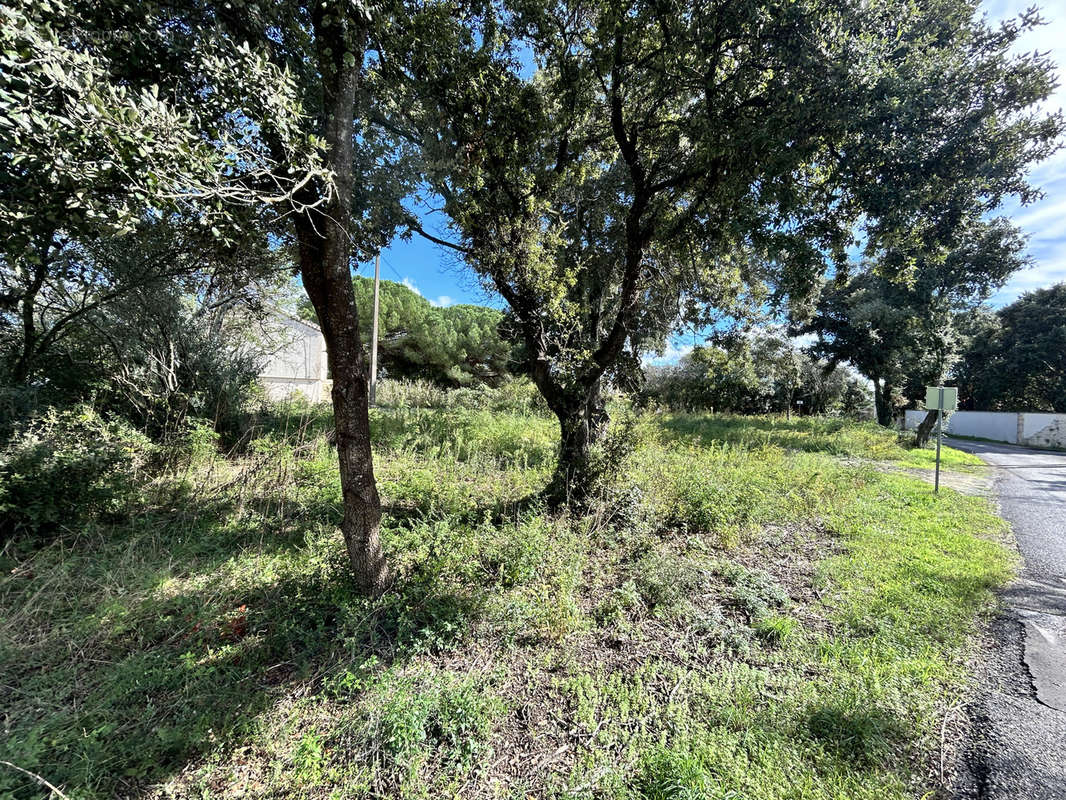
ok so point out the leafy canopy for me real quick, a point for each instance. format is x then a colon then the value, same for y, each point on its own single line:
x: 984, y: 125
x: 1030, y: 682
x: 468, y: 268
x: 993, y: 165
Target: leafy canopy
x: 894, y: 318
x: 667, y: 163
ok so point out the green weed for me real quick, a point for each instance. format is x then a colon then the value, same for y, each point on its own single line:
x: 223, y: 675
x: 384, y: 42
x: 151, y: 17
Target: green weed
x: 209, y: 637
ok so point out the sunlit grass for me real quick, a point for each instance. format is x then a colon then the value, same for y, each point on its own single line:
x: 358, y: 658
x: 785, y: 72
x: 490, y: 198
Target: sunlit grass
x: 756, y: 609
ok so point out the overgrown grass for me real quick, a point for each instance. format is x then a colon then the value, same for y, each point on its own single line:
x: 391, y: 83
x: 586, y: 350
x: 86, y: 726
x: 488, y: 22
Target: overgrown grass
x: 755, y: 610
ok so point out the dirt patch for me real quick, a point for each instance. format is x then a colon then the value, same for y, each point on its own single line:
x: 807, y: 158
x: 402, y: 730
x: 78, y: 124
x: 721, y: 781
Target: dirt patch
x: 977, y: 484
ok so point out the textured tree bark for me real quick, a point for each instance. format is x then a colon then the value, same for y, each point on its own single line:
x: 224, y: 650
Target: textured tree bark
x: 925, y: 429
x: 324, y: 252
x: 582, y: 424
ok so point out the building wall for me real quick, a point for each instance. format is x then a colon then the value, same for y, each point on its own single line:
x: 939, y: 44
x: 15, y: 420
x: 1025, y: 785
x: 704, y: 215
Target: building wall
x: 996, y: 425
x: 1044, y: 430
x: 1034, y: 430
x: 295, y: 359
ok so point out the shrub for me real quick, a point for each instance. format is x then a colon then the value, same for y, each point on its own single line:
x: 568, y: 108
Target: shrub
x: 752, y: 591
x: 64, y: 466
x: 410, y: 394
x: 667, y: 581
x: 518, y: 396
x: 445, y: 718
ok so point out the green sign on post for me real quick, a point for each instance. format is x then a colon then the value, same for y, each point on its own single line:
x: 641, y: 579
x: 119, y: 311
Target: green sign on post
x: 940, y: 399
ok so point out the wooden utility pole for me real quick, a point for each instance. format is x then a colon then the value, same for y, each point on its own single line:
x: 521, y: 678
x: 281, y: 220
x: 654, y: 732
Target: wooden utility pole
x: 374, y: 335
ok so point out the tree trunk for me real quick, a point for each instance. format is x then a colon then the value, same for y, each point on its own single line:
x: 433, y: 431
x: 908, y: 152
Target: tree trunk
x: 324, y: 249
x: 925, y: 429
x: 883, y: 402
x: 23, y: 366
x: 582, y: 425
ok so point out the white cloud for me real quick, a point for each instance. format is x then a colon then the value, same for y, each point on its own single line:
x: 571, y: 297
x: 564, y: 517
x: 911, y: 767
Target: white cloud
x: 1044, y: 219
x: 440, y: 302
x: 671, y: 355
x: 806, y: 340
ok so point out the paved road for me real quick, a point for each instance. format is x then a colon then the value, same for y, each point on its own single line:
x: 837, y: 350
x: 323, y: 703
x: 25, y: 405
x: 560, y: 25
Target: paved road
x: 1019, y: 715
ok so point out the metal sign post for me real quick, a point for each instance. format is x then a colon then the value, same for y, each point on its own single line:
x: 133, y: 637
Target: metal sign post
x: 939, y: 436
x: 940, y: 399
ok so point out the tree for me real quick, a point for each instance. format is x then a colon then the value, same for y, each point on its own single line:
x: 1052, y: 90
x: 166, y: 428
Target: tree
x: 665, y: 163
x: 88, y: 280
x: 143, y: 328
x: 85, y: 154
x: 893, y: 319
x: 979, y: 373
x: 1015, y: 360
x: 453, y: 346
x: 754, y: 372
x: 253, y: 93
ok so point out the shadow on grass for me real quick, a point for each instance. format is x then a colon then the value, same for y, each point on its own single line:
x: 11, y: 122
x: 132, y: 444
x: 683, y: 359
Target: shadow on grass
x: 108, y: 692
x: 863, y: 736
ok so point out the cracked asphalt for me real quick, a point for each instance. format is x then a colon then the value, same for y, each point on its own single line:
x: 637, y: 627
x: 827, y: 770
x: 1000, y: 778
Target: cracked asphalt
x: 1018, y: 714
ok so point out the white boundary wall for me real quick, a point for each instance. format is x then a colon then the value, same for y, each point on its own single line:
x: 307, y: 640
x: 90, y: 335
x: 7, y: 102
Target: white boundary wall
x: 1037, y: 430
x: 1043, y: 430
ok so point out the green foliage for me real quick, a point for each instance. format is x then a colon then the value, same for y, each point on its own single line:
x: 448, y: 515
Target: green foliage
x: 856, y: 734
x: 61, y: 468
x: 673, y: 775
x: 607, y: 198
x: 758, y: 372
x: 449, y: 721
x: 777, y: 628
x: 667, y: 581
x: 1013, y: 360
x: 895, y: 319
x: 155, y: 345
x: 516, y: 396
x: 216, y: 630
x: 753, y: 591
x: 91, y: 147
x: 457, y: 345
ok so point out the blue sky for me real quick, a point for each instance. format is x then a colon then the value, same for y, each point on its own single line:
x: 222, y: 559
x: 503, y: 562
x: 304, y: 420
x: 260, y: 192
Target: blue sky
x: 440, y: 277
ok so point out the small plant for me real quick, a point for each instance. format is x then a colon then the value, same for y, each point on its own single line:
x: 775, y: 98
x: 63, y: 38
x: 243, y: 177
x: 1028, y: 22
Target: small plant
x: 667, y: 582
x: 309, y: 759
x: 863, y: 735
x: 776, y: 628
x: 619, y: 603
x: 752, y: 591
x: 448, y: 721
x: 673, y: 775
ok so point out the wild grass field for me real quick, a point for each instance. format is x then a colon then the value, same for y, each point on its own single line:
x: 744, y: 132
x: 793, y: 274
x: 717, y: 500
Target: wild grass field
x: 755, y: 609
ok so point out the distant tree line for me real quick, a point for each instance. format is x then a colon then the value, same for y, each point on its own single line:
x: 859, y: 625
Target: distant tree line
x: 762, y: 371
x: 455, y: 345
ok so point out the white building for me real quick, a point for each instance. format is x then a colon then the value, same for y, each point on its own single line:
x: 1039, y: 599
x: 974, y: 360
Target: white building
x: 296, y: 358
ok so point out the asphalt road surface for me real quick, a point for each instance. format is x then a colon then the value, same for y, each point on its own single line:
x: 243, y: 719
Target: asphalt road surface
x: 1018, y: 717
